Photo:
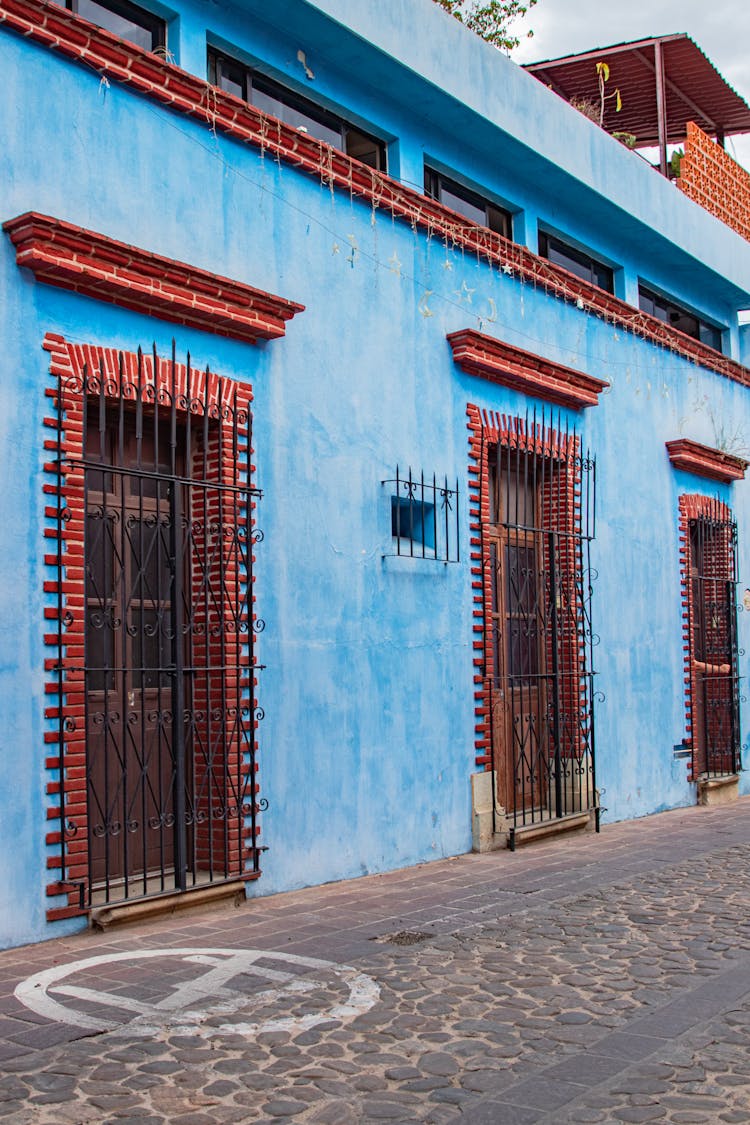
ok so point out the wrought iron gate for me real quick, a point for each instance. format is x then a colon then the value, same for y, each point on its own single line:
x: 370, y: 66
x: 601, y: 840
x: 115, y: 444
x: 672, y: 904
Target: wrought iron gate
x: 154, y: 472
x: 714, y: 664
x: 537, y: 532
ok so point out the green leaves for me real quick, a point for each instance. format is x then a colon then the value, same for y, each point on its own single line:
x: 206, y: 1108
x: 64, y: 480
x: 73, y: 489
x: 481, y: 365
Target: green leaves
x: 490, y: 20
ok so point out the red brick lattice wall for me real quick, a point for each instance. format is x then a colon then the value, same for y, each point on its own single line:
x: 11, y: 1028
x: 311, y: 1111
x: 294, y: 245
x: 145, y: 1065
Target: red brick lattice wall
x: 709, y: 176
x: 219, y: 844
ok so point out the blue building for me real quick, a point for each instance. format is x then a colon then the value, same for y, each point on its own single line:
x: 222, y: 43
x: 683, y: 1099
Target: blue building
x: 373, y: 429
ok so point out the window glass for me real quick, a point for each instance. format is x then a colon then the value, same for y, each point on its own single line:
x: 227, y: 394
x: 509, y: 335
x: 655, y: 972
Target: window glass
x: 367, y: 149
x: 228, y: 76
x: 577, y: 262
x: 513, y: 493
x: 125, y: 20
x: 467, y: 203
x: 294, y: 110
x: 679, y: 318
x: 500, y: 221
x: 267, y: 98
x: 465, y: 207
x: 709, y: 335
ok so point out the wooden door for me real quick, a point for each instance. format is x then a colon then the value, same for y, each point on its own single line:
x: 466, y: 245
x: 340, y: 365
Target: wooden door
x: 711, y: 647
x: 519, y: 724
x: 129, y: 656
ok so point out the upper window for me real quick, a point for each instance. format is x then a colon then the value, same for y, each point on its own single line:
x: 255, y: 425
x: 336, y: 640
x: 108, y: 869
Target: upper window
x: 291, y: 108
x: 576, y: 261
x: 467, y: 203
x: 679, y: 318
x: 124, y: 19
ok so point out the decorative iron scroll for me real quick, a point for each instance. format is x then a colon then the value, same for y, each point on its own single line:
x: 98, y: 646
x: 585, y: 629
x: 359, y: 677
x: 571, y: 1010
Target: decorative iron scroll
x: 424, y: 517
x: 708, y: 534
x: 534, y: 507
x: 156, y: 669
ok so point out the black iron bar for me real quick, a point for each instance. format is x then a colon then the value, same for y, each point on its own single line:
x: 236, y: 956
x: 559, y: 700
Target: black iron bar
x: 124, y: 572
x: 138, y: 676
x: 90, y: 811
x: 523, y: 662
x: 209, y: 670
x: 398, y: 514
x: 109, y: 619
x: 224, y: 719
x: 517, y: 689
x: 411, y: 514
x: 185, y: 717
x: 61, y: 646
x: 733, y: 663
x: 178, y: 705
x: 458, y: 531
x: 555, y: 674
x: 247, y: 756
x: 233, y: 785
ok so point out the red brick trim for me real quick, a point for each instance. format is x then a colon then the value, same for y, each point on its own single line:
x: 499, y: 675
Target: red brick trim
x: 487, y: 428
x: 694, y: 507
x: 704, y: 461
x: 45, y: 22
x: 503, y: 363
x: 70, y: 257
x: 65, y: 736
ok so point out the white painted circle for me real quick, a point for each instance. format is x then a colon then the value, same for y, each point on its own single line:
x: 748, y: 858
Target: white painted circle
x: 185, y: 1008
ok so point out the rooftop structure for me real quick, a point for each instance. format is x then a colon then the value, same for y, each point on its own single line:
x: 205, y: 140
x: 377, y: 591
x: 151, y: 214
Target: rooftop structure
x: 664, y: 82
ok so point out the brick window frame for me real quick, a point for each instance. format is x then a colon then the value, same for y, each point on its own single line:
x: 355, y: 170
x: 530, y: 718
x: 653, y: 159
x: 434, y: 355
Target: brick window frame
x: 65, y: 733
x: 560, y: 506
x: 695, y: 507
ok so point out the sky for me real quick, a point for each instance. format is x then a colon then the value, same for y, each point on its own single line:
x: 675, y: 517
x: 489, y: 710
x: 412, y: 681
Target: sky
x: 721, y: 28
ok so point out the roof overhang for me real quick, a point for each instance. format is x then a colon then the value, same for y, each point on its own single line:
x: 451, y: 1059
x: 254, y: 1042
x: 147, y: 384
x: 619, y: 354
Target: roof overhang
x: 669, y: 69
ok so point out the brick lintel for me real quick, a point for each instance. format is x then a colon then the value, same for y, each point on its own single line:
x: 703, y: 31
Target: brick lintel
x: 504, y: 363
x: 72, y: 257
x: 692, y: 457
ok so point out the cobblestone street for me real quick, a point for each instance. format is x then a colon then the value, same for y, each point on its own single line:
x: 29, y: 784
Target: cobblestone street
x: 588, y: 979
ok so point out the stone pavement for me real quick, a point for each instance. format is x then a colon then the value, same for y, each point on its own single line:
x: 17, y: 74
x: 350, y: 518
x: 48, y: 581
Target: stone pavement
x: 586, y: 979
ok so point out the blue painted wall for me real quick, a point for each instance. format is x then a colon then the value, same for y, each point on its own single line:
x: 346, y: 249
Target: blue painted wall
x: 368, y: 742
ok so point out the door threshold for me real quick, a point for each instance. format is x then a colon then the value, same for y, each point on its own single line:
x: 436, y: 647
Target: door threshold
x: 718, y: 789
x: 138, y: 910
x: 527, y: 833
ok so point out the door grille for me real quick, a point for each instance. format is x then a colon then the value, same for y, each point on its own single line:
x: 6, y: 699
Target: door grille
x: 539, y: 497
x: 713, y: 648
x: 156, y: 656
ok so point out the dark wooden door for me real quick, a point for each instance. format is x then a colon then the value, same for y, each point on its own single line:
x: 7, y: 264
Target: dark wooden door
x: 712, y: 647
x: 129, y: 655
x: 519, y: 725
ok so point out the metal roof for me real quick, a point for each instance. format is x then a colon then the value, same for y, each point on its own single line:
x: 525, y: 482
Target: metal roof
x: 691, y: 89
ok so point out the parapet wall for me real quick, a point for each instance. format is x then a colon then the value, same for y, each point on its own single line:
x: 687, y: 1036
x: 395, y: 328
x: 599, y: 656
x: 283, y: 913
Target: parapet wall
x: 709, y: 176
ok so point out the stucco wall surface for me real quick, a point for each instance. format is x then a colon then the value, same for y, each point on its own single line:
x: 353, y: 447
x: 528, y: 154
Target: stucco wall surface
x: 444, y: 76
x: 368, y: 742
